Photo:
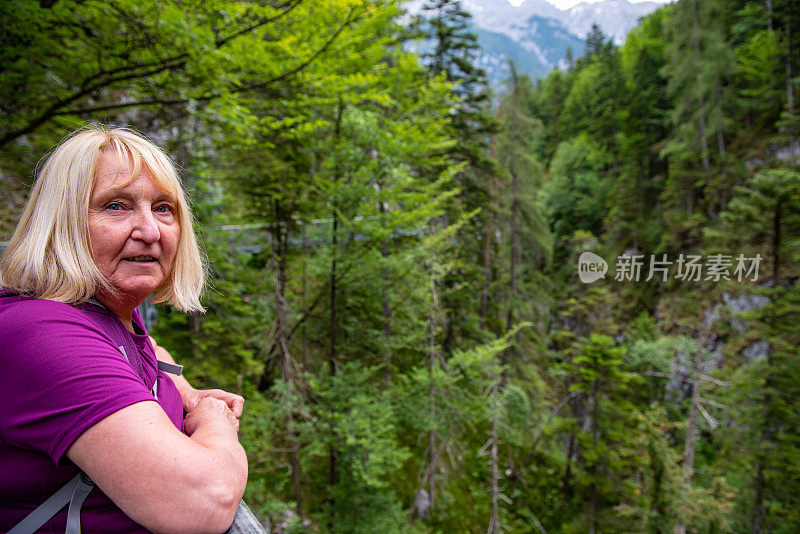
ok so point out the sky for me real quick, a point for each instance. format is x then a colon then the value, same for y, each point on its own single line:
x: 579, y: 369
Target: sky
x: 565, y: 4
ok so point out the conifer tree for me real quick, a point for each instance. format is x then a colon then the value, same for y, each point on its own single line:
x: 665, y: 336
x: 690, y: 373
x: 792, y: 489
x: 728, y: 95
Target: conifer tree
x: 453, y: 51
x: 698, y: 65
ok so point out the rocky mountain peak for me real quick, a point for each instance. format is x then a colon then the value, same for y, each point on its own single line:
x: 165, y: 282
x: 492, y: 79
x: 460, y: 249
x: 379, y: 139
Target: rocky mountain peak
x: 536, y: 34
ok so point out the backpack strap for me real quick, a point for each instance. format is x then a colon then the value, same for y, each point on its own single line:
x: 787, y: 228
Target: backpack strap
x: 171, y: 368
x: 78, y: 496
x: 73, y: 492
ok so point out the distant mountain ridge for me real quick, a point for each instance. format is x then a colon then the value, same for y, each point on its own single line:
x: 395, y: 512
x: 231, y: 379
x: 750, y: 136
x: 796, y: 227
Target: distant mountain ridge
x: 615, y: 17
x: 536, y: 34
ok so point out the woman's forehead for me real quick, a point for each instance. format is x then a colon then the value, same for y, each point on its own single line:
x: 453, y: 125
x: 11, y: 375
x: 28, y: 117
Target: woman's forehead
x: 115, y: 165
x: 120, y: 169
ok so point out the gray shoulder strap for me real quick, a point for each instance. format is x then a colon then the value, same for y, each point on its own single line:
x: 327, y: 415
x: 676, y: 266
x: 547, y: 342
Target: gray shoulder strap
x: 171, y: 368
x: 78, y: 496
x: 73, y: 492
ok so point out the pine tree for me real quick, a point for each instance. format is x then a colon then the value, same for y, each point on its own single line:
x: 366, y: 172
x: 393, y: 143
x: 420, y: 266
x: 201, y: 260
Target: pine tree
x: 698, y: 65
x: 453, y: 50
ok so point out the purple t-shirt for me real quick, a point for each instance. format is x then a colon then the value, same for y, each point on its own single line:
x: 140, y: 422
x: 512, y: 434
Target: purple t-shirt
x: 62, y: 371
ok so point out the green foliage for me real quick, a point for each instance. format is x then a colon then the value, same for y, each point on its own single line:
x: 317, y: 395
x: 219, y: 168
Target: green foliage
x: 355, y: 417
x: 576, y: 194
x: 769, y: 208
x: 392, y: 256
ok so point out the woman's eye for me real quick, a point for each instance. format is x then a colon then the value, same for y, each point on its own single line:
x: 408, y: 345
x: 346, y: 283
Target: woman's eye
x: 164, y: 208
x: 114, y: 206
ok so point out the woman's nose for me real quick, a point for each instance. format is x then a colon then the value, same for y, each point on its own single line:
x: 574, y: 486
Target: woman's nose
x: 145, y: 226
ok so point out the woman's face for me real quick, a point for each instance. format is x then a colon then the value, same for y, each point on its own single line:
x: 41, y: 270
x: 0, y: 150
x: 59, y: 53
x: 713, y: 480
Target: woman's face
x: 133, y: 229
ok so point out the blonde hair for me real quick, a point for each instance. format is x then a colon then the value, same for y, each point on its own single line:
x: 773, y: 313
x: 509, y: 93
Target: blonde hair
x: 49, y: 255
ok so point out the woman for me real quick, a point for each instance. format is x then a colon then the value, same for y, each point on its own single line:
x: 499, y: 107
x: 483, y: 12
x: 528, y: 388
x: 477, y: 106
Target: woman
x: 107, y: 225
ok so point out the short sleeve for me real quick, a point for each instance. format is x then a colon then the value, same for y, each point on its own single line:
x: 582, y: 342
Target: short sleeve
x: 59, y: 375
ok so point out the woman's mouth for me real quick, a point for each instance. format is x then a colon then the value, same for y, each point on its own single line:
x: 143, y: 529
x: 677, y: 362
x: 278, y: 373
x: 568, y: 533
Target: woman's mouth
x: 141, y: 259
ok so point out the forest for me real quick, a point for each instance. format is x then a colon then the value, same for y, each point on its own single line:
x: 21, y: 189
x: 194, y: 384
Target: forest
x: 567, y: 305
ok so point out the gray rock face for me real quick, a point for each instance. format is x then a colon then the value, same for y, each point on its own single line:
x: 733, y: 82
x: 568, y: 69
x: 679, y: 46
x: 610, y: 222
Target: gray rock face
x: 742, y: 303
x: 757, y: 350
x: 790, y: 152
x: 713, y: 350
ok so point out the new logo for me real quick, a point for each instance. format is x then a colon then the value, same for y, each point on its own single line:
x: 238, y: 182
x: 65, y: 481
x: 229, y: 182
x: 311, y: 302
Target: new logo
x: 591, y: 267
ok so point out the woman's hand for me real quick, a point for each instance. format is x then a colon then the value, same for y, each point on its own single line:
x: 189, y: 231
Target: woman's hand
x: 210, y: 411
x: 191, y: 398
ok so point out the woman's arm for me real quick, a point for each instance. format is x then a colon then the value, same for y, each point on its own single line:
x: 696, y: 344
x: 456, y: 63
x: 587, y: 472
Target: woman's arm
x: 161, y: 478
x: 192, y: 396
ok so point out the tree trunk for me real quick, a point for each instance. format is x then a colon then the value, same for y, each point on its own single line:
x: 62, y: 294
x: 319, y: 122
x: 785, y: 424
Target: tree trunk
x: 194, y: 329
x: 515, y: 260
x: 303, y: 336
x: 385, y: 306
x: 776, y: 239
x: 756, y: 522
x: 507, y: 351
x: 789, y: 84
x: 333, y: 363
x: 703, y: 141
x: 278, y: 249
x: 769, y: 15
x: 763, y: 455
x: 487, y: 252
x: 494, y: 464
x: 566, y: 480
x: 592, y: 427
x: 721, y: 144
x: 702, y: 117
x: 431, y: 391
x: 294, y: 462
x: 487, y: 258
x: 690, y: 442
x: 494, y: 520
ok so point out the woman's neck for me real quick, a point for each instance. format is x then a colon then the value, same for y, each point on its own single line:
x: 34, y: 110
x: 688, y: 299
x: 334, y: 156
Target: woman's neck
x: 122, y: 309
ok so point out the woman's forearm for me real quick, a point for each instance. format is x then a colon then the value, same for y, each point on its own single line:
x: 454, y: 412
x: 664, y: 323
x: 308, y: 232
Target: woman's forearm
x: 169, y: 481
x: 212, y: 426
x: 230, y: 470
x: 216, y: 436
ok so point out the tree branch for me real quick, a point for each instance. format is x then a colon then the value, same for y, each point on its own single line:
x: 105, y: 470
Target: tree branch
x: 102, y: 79
x: 291, y: 4
x: 715, y: 380
x: 53, y: 110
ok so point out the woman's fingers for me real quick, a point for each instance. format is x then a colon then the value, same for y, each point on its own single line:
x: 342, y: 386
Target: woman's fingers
x: 208, y: 410
x: 237, y: 406
x: 233, y: 420
x: 235, y: 402
x: 190, y: 399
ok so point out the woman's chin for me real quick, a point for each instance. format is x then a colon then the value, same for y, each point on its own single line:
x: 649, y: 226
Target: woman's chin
x: 134, y: 291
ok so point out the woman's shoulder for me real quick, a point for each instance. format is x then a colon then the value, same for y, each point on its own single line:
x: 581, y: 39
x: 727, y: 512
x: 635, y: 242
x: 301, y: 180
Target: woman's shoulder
x: 23, y: 311
x: 28, y: 323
